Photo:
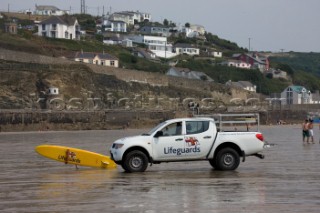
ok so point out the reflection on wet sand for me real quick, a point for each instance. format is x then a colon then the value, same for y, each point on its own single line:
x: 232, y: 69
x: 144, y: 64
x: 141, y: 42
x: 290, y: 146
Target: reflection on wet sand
x: 287, y: 180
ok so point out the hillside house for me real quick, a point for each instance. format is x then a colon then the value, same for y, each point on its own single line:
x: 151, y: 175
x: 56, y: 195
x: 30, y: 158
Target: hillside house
x: 156, y: 44
x: 256, y: 61
x: 296, y: 95
x: 236, y: 63
x: 114, y: 26
x: 246, y: 85
x: 182, y: 48
x: 103, y: 59
x: 11, y: 27
x: 65, y: 27
x: 216, y: 54
x: 116, y: 39
x: 48, y: 10
x: 159, y: 30
x: 145, y: 53
x: 276, y: 73
x: 187, y: 73
x: 130, y: 17
x: 193, y: 31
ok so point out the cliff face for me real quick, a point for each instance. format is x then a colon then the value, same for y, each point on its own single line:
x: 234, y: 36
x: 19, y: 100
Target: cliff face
x: 26, y: 79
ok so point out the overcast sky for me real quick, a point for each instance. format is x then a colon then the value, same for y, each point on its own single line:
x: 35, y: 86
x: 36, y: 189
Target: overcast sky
x: 270, y: 25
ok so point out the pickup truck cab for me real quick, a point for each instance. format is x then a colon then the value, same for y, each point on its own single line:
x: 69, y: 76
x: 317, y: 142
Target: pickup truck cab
x: 187, y: 139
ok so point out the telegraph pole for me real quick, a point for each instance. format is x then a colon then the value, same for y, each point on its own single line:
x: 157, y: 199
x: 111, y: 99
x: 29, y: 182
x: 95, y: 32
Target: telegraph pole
x: 83, y: 7
x: 249, y: 43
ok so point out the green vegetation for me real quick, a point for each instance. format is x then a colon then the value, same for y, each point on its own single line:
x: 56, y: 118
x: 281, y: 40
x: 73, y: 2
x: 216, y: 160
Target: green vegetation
x: 222, y: 74
x: 222, y: 43
x: 301, y: 67
x: 308, y: 62
x: 304, y: 68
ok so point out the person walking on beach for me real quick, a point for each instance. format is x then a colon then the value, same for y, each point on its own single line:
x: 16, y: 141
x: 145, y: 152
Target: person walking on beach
x: 310, y: 127
x: 305, y: 131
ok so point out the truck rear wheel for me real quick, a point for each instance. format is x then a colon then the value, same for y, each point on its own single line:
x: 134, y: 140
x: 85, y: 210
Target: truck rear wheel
x: 227, y: 159
x: 135, y: 161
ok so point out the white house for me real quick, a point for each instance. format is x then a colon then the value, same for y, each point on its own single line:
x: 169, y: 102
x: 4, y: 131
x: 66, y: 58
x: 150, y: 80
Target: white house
x: 198, y: 28
x: 130, y: 17
x: 65, y: 27
x: 116, y: 39
x: 296, y: 95
x: 156, y: 44
x: 189, y: 32
x: 193, y: 31
x: 49, y: 10
x: 103, y: 59
x: 114, y: 26
x: 182, y: 48
x: 216, y: 54
x: 236, y: 63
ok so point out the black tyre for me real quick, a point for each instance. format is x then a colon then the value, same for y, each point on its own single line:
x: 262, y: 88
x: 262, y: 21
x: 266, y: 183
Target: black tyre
x: 135, y: 161
x: 213, y: 163
x: 227, y: 159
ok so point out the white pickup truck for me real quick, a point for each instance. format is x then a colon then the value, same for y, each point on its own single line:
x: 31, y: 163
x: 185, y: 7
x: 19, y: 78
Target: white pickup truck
x: 189, y: 139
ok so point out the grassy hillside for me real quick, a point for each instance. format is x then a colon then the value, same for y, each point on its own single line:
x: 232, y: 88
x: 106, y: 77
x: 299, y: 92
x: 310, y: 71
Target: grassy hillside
x: 304, y: 68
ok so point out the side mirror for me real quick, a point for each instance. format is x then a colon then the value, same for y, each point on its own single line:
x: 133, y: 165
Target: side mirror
x: 158, y: 134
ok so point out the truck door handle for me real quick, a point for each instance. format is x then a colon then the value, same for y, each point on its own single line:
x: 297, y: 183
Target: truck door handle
x: 179, y: 139
x: 206, y: 137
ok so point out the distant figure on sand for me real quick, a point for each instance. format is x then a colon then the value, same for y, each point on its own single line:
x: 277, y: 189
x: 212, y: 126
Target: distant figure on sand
x: 305, y: 131
x: 310, y: 127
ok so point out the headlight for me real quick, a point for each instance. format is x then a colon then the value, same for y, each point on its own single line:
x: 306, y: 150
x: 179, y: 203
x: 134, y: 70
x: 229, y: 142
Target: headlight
x: 117, y: 145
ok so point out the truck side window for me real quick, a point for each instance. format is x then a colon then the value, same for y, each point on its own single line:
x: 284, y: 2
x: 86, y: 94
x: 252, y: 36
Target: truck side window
x: 195, y: 127
x: 172, y: 129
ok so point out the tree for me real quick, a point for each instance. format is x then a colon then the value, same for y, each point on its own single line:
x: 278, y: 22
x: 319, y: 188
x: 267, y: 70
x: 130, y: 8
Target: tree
x: 187, y: 24
x: 165, y: 22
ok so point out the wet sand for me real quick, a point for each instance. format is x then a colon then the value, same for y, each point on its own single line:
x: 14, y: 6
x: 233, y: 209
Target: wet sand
x: 287, y: 180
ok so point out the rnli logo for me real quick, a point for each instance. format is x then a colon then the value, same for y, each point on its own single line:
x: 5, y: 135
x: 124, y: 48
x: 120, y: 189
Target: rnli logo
x: 192, y: 141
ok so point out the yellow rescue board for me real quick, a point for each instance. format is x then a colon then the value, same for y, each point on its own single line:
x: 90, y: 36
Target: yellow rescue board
x: 69, y: 155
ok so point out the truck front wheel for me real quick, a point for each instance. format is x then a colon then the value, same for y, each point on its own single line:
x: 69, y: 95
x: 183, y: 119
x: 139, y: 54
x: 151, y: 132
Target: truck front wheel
x: 227, y: 159
x: 135, y: 161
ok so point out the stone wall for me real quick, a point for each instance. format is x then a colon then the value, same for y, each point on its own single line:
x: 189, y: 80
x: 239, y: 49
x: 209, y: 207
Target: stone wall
x: 10, y: 55
x: 80, y: 120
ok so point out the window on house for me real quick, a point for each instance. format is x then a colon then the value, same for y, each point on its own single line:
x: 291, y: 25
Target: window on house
x: 66, y: 35
x: 54, y: 27
x: 43, y: 27
x: 112, y: 63
x: 90, y: 61
x: 53, y: 34
x: 102, y: 62
x: 44, y: 34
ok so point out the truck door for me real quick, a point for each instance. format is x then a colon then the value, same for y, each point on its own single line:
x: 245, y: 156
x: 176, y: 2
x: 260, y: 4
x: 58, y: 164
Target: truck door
x: 198, y: 138
x: 170, y: 144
